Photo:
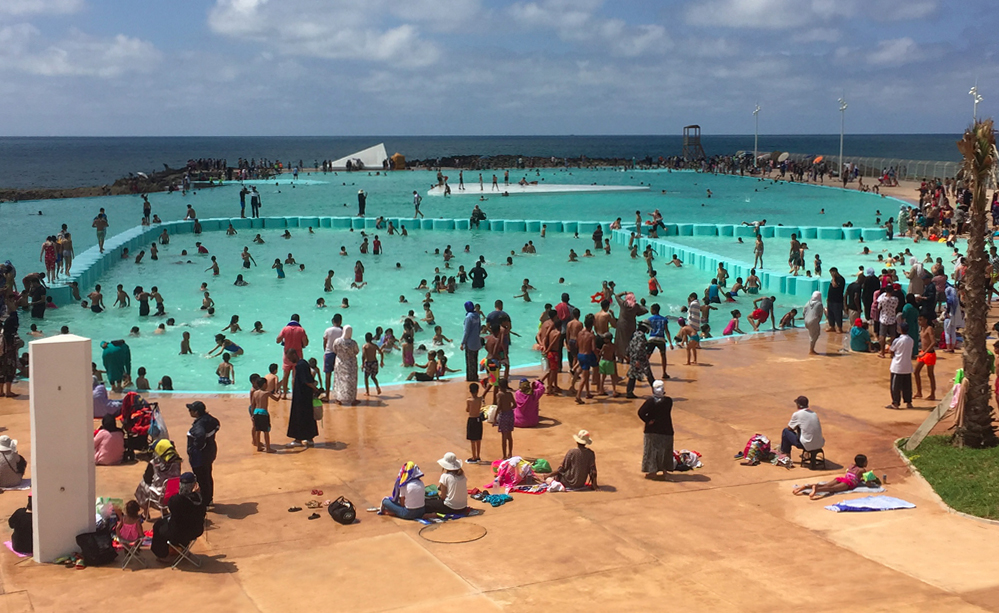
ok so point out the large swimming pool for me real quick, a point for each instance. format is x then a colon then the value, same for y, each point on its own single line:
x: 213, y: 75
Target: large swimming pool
x: 682, y: 196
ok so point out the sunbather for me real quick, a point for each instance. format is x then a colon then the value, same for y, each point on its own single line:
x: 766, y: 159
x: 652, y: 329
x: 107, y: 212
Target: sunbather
x: 849, y: 481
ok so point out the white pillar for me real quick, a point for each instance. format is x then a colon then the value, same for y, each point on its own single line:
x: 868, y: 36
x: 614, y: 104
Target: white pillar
x: 62, y: 444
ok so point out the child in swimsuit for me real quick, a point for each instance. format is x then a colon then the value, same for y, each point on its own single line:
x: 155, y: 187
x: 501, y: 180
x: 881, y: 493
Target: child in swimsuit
x: 225, y: 371
x: 407, y: 351
x: 847, y: 482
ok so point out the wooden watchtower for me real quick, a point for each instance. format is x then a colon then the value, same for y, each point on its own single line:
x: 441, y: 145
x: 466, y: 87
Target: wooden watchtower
x: 692, y: 149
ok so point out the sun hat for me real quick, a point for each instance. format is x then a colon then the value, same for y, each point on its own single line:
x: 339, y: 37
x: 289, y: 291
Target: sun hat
x: 582, y: 437
x: 450, y: 462
x: 8, y: 444
x: 801, y: 401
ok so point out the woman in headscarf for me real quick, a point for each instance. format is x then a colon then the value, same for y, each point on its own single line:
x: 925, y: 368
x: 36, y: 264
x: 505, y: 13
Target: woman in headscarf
x: 915, y: 275
x: 164, y: 465
x: 186, y: 521
x: 9, y: 342
x: 345, y: 369
x: 408, y: 500
x: 527, y: 399
x: 638, y: 359
x: 813, y: 320
x: 102, y: 404
x: 625, y: 328
x: 656, y: 412
x: 301, y: 419
x: 109, y: 442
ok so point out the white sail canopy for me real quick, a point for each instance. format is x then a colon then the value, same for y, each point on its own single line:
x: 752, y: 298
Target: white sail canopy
x: 370, y: 158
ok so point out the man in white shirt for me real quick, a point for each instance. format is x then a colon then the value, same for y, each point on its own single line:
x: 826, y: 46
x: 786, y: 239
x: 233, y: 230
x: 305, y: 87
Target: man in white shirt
x: 329, y: 358
x: 803, y: 431
x: 901, y: 368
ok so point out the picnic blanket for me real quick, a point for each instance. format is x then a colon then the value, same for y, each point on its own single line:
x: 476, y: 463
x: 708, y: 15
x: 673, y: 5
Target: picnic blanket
x: 870, y: 503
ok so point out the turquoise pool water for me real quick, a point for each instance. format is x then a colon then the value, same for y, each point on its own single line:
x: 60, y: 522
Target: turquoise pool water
x: 272, y: 300
x: 734, y: 199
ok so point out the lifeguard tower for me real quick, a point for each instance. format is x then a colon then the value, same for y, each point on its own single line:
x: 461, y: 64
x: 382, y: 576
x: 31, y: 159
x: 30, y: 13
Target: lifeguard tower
x: 692, y: 149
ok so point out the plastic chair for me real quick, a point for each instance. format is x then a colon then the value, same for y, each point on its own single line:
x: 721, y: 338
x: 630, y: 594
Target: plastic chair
x: 184, y: 553
x: 812, y: 459
x: 132, y: 549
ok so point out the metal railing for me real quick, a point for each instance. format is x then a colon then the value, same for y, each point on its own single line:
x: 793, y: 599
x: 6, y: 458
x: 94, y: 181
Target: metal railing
x: 874, y: 167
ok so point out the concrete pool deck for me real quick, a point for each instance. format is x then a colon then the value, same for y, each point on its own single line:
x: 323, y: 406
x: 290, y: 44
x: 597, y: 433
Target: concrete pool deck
x: 716, y: 539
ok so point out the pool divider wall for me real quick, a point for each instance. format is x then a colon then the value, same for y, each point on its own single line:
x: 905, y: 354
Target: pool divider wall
x: 91, y: 265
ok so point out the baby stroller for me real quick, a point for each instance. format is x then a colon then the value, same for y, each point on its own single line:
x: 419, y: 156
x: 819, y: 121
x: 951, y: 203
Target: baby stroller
x: 142, y: 424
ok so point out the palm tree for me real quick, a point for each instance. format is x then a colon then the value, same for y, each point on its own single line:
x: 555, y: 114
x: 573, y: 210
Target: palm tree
x: 978, y: 147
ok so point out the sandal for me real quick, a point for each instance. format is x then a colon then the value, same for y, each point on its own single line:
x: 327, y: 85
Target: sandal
x: 314, y: 516
x: 313, y: 504
x: 294, y: 509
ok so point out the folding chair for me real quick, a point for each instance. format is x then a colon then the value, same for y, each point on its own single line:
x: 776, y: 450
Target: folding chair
x: 132, y: 549
x: 184, y: 553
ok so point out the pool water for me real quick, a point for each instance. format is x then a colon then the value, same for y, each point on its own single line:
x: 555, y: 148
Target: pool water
x: 272, y: 301
x: 734, y: 200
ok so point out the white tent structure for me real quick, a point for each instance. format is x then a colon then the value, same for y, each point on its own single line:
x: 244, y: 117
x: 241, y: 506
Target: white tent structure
x: 370, y: 158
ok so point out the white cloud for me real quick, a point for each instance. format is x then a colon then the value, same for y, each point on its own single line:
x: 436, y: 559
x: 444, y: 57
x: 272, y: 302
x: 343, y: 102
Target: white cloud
x: 784, y: 15
x: 817, y: 35
x: 895, y: 52
x: 375, y: 30
x: 22, y: 50
x: 579, y: 21
x: 39, y: 7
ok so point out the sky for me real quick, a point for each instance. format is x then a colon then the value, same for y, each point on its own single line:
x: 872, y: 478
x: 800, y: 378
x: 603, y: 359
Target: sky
x: 491, y: 67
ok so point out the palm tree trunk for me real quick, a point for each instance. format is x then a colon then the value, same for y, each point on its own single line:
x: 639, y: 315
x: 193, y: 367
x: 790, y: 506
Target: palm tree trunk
x: 978, y: 429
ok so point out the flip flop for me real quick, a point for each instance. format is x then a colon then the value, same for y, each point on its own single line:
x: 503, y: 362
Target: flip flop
x: 314, y: 516
x: 294, y: 509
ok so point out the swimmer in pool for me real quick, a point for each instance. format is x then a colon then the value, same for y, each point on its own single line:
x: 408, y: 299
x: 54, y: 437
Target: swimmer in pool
x: 328, y: 283
x: 207, y: 302
x: 257, y: 239
x: 572, y: 256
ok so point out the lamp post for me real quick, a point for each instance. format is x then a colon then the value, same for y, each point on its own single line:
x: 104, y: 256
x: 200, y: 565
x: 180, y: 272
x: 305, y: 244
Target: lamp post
x: 977, y: 98
x: 756, y: 134
x: 842, y: 127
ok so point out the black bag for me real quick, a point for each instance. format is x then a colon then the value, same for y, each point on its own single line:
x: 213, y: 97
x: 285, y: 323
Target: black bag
x: 342, y: 511
x: 96, y: 548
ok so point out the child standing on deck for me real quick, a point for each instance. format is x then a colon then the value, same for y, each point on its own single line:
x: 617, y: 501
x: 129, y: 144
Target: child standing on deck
x: 370, y: 353
x: 473, y: 426
x: 259, y: 399
x: 505, y: 404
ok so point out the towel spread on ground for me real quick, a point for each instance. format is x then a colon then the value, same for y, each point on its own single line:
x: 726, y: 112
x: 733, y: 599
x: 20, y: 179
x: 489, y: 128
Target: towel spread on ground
x: 539, y: 488
x: 871, y: 503
x: 860, y: 489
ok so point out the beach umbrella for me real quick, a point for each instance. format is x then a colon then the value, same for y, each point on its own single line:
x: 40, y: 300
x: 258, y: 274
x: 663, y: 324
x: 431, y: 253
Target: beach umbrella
x: 783, y: 157
x: 764, y: 156
x: 818, y: 159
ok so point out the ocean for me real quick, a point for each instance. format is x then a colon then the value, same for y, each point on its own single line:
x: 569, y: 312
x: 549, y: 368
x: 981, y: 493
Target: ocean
x: 32, y: 162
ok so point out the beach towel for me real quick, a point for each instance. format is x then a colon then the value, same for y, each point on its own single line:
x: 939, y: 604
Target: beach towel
x: 860, y: 489
x: 686, y: 460
x: 513, y: 472
x: 870, y: 503
x: 540, y: 488
x: 407, y: 473
x: 497, y: 500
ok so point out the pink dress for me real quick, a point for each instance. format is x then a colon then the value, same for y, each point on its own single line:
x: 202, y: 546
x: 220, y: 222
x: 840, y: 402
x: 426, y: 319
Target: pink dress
x: 525, y: 411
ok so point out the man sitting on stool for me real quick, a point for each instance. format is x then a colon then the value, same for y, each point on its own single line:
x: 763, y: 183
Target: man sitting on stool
x: 803, y: 431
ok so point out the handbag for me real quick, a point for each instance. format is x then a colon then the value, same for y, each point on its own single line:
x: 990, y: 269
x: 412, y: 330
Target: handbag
x: 342, y: 511
x: 96, y: 548
x: 317, y: 409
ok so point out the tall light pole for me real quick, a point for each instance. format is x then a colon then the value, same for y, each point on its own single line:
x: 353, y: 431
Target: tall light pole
x: 842, y: 128
x: 756, y: 134
x: 977, y: 98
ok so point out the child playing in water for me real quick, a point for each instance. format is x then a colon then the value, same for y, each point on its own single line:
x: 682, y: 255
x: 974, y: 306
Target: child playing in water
x: 370, y: 354
x: 258, y: 328
x: 328, y: 284
x: 407, y: 351
x: 165, y: 384
x: 214, y: 267
x: 787, y: 321
x: 847, y: 482
x: 279, y: 267
x: 473, y: 425
x: 733, y: 324
x: 233, y: 325
x: 439, y: 338
x: 430, y: 367
x: 259, y: 399
x: 428, y: 315
x: 207, y: 302
x: 141, y: 382
x: 225, y: 371
x: 442, y: 368
x: 185, y: 344
x: 358, y: 275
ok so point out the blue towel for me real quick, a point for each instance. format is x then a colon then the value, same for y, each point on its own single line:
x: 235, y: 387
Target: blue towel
x: 497, y: 499
x: 871, y: 503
